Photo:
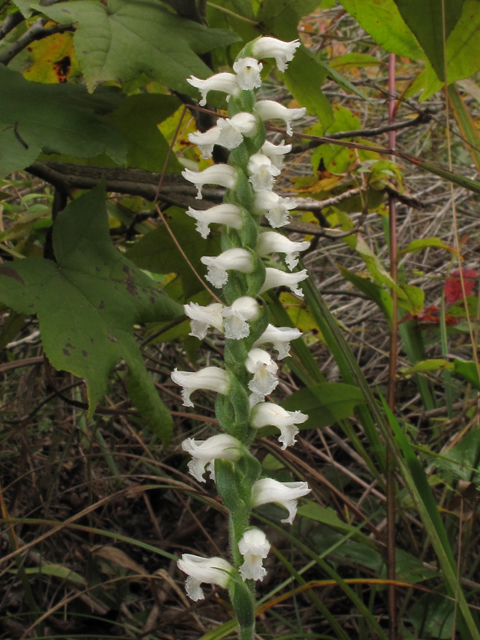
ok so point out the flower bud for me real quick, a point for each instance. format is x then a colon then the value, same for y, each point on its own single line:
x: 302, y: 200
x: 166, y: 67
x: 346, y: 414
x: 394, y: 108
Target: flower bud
x: 283, y: 52
x: 237, y: 317
x: 253, y: 546
x: 276, y: 278
x: 248, y: 73
x: 228, y: 214
x: 205, y: 452
x: 267, y: 490
x: 271, y: 242
x: 221, y: 174
x: 204, y: 317
x: 237, y: 259
x: 262, y: 172
x: 270, y: 110
x: 280, y: 337
x: 212, y: 570
x: 269, y: 414
x: 226, y: 82
x: 264, y: 381
x: 210, y: 379
x: 273, y: 207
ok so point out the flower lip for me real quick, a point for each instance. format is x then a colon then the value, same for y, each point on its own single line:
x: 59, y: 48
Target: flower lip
x: 212, y: 570
x: 253, y: 546
x: 248, y: 73
x: 268, y: 413
x: 272, y: 242
x: 267, y: 490
x: 274, y: 207
x: 205, y: 452
x: 264, y: 381
x: 226, y: 82
x: 283, y: 52
x: 237, y: 259
x: 209, y: 378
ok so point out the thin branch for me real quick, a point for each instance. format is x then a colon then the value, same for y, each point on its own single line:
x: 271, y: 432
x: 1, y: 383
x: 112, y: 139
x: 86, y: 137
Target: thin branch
x: 10, y: 22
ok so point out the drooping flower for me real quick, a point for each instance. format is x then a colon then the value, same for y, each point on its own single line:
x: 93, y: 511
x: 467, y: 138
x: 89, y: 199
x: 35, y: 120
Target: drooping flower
x: 264, y: 380
x: 269, y: 414
x: 280, y: 337
x: 237, y: 317
x: 248, y: 73
x: 228, y: 214
x: 253, y: 546
x: 276, y: 152
x: 211, y: 570
x: 237, y: 259
x: 204, y: 317
x: 243, y: 122
x: 262, y: 172
x: 205, y: 452
x: 221, y: 174
x: 228, y: 133
x: 272, y: 242
x: 283, y: 52
x: 226, y: 82
x: 274, y: 207
x: 270, y: 110
x: 276, y: 278
x: 206, y: 140
x: 286, y: 494
x: 210, y: 379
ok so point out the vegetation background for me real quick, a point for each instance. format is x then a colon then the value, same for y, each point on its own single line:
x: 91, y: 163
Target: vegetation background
x: 98, y: 257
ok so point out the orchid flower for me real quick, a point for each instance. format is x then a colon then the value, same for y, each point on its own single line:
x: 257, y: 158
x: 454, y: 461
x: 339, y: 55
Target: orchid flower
x: 276, y: 278
x: 262, y: 172
x: 248, y: 73
x: 211, y: 570
x: 253, y: 546
x: 286, y: 494
x: 274, y: 207
x: 228, y: 214
x: 283, y: 52
x: 226, y: 82
x: 204, y: 317
x: 271, y: 242
x: 267, y: 413
x: 236, y: 259
x: 280, y: 337
x: 276, y: 152
x: 270, y: 110
x: 264, y: 381
x: 221, y: 174
x: 205, y: 452
x: 237, y: 317
x: 210, y: 379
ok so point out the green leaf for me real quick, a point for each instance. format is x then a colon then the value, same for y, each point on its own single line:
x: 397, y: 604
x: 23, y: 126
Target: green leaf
x: 325, y: 403
x: 425, y: 19
x: 432, y: 364
x: 354, y: 61
x: 120, y: 41
x: 56, y: 570
x: 411, y: 298
x: 157, y: 252
x: 466, y: 124
x: 378, y: 294
x: 87, y: 303
x: 328, y: 516
x: 284, y: 15
x: 469, y: 371
x: 422, y: 243
x: 53, y: 118
x: 137, y: 118
x: 383, y: 21
x: 304, y: 77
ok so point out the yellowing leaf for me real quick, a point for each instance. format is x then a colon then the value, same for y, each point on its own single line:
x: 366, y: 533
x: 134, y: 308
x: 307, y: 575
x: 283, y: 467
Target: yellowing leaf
x: 52, y: 59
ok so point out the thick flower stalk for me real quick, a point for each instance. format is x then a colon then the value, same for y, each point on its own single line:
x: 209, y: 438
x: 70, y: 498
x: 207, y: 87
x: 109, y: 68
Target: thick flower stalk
x: 248, y: 377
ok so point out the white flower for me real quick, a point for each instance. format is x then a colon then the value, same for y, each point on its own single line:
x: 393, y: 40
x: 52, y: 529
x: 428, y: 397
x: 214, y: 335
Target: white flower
x: 271, y: 242
x: 276, y: 278
x: 275, y: 152
x: 270, y: 110
x: 221, y: 174
x: 228, y: 133
x: 253, y: 546
x: 283, y: 52
x: 237, y: 317
x: 266, y: 413
x: 228, y: 214
x: 226, y: 82
x: 205, y: 141
x: 264, y: 381
x: 248, y: 73
x: 210, y: 378
x: 280, y: 337
x: 286, y: 494
x: 204, y: 317
x: 244, y: 122
x: 262, y: 172
x: 237, y: 259
x: 205, y: 452
x: 212, y: 570
x: 274, y: 207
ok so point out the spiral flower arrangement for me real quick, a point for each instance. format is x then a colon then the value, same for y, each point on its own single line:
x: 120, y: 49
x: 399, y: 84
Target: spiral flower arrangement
x: 250, y: 372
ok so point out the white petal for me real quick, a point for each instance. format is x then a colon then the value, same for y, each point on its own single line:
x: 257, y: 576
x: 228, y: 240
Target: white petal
x: 204, y: 317
x: 237, y: 317
x: 228, y: 214
x: 254, y: 547
x: 205, y: 141
x: 274, y: 207
x: 211, y: 570
x: 220, y: 174
x: 265, y: 414
x: 210, y: 379
x: 248, y: 73
x: 270, y: 110
x: 262, y: 172
x: 276, y: 152
x: 280, y: 337
x: 226, y: 82
x: 267, y: 490
x: 272, y: 242
x: 264, y: 369
x: 204, y: 452
x: 236, y: 259
x: 283, y: 52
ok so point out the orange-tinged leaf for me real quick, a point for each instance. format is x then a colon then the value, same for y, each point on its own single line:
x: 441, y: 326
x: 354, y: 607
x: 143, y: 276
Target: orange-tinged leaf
x: 52, y: 60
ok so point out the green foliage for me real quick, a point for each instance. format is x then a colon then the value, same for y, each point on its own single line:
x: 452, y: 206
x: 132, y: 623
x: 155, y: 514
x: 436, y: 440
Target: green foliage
x: 87, y: 303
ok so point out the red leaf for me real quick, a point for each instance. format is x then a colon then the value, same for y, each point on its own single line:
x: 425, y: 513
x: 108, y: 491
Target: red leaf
x: 453, y: 286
